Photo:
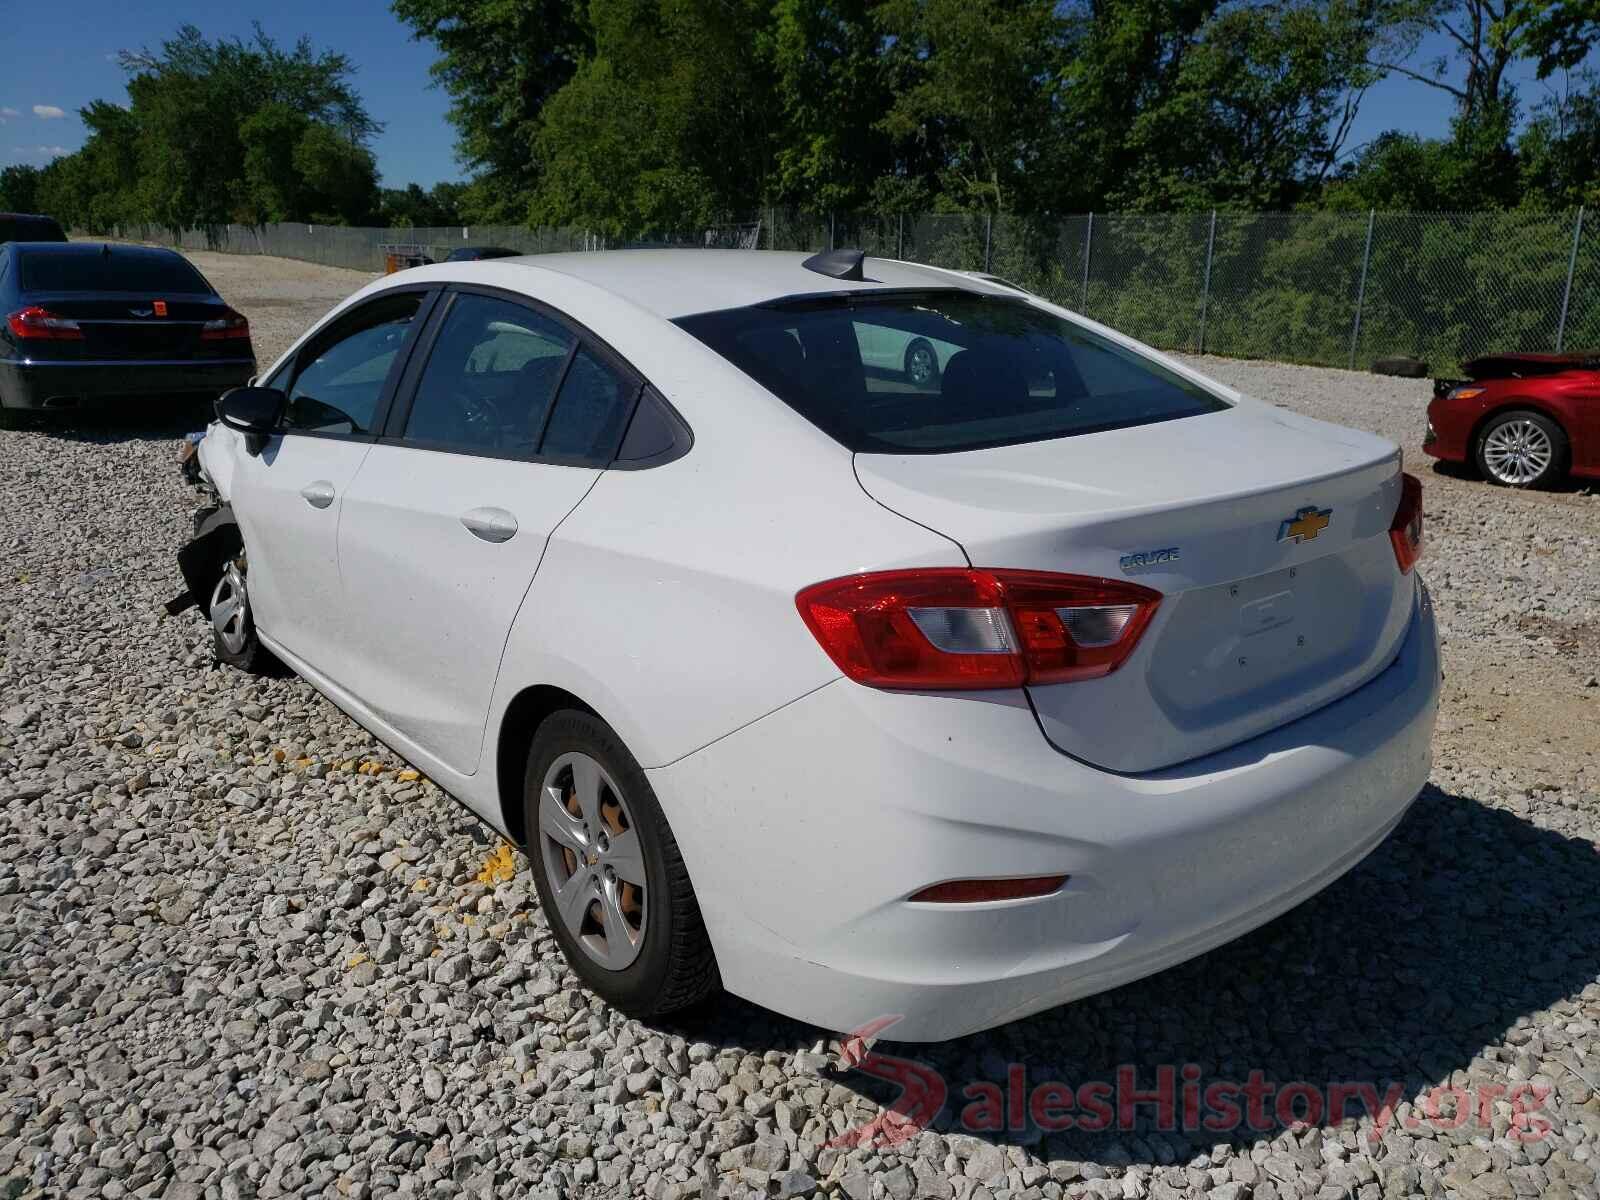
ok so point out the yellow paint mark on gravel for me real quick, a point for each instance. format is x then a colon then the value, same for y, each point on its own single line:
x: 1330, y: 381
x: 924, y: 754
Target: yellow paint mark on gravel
x: 499, y: 867
x: 408, y: 775
x: 422, y: 885
x: 355, y: 961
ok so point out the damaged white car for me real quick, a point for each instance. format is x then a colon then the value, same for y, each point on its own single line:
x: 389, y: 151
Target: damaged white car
x: 860, y: 684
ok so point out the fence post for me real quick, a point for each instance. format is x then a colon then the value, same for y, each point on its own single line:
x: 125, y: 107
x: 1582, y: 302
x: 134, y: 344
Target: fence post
x: 1572, y: 265
x: 900, y: 237
x: 1205, y: 287
x: 831, y: 231
x: 988, y: 237
x: 1361, y: 291
x: 1088, y: 249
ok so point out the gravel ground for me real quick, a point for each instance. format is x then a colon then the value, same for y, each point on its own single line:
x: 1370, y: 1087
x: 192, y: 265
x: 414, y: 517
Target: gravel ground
x: 245, y: 951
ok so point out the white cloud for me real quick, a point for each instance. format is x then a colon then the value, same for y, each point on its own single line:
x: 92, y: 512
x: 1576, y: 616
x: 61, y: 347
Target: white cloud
x: 48, y: 112
x: 45, y: 152
x: 9, y: 112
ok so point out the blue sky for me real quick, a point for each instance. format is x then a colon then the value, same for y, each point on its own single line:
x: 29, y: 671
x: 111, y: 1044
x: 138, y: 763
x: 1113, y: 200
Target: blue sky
x: 58, y: 57
x: 61, y: 56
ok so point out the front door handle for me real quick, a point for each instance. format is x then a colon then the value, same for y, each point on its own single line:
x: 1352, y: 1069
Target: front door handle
x: 490, y: 524
x: 318, y: 494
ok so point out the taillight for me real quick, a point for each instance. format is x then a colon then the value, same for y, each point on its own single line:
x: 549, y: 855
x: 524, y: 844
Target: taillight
x: 40, y: 324
x: 230, y: 325
x: 949, y: 627
x: 1405, y: 531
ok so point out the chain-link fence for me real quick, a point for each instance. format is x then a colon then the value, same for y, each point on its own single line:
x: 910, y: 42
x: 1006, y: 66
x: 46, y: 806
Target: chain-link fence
x: 1330, y: 288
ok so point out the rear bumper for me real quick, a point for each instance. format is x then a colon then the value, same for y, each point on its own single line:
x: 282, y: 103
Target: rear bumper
x: 36, y: 384
x: 805, y: 832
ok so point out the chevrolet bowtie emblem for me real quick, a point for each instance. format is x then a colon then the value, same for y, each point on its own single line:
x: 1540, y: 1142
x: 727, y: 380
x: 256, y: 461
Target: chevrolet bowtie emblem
x: 1305, y: 524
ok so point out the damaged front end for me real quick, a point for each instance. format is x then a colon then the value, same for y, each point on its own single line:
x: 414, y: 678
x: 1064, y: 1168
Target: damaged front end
x: 216, y: 541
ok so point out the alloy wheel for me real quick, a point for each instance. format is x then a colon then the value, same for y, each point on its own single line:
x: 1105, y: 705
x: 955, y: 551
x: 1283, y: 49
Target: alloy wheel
x: 230, y: 609
x: 593, y: 860
x: 1517, y: 452
x: 920, y: 364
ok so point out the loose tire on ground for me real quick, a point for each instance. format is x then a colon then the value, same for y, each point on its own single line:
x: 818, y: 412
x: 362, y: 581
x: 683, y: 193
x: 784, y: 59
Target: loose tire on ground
x: 1400, y: 365
x: 1522, y: 449
x: 665, y: 962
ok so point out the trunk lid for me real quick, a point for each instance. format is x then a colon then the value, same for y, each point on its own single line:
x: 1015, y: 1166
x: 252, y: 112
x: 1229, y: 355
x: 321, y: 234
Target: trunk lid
x: 1254, y: 629
x: 126, y: 327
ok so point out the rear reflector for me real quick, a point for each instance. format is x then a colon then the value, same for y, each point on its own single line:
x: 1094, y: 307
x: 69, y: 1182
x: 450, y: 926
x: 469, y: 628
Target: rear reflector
x: 951, y: 628
x: 40, y: 324
x: 1405, y: 531
x: 979, y: 891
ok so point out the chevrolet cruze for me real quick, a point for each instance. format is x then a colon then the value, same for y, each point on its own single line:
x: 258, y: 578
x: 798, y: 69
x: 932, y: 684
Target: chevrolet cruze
x: 859, y: 690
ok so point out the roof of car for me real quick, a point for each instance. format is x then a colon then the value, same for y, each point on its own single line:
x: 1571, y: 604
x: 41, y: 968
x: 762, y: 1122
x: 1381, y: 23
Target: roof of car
x: 676, y: 283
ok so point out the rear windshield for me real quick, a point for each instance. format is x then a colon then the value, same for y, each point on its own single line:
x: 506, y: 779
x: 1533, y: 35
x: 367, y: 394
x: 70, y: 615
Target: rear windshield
x: 935, y: 372
x: 55, y: 271
x: 30, y: 229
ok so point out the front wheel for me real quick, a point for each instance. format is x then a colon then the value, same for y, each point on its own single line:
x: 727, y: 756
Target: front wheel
x: 610, y: 878
x: 233, y: 626
x: 1522, y: 450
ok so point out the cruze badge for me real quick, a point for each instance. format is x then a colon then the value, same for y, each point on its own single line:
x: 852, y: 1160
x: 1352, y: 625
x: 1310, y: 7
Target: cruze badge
x: 1148, y: 560
x: 1305, y: 524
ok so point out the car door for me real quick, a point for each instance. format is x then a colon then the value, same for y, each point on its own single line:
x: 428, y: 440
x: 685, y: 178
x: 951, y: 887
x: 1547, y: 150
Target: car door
x: 288, y: 497
x: 505, y: 420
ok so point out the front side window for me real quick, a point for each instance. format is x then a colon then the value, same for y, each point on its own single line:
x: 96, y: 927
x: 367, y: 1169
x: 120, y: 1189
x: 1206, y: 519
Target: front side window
x: 490, y: 378
x: 341, y: 376
x: 944, y: 371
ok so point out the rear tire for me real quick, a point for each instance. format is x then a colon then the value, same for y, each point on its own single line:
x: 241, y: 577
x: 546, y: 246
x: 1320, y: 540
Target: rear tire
x: 611, y: 880
x: 922, y: 363
x: 1522, y: 449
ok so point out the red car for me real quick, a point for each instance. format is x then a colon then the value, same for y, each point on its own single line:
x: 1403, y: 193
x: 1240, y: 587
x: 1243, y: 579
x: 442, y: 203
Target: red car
x: 1524, y: 420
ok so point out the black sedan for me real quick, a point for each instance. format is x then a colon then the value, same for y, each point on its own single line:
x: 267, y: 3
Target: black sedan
x: 479, y: 253
x: 83, y: 322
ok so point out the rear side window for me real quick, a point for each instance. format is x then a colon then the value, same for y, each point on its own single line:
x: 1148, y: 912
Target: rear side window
x: 76, y: 271
x: 944, y: 371
x: 590, y: 411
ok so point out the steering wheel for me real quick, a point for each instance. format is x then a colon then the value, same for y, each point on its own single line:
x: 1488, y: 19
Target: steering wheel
x: 481, y: 422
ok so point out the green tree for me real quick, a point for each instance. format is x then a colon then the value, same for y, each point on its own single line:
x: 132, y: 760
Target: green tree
x: 972, y: 82
x: 19, y: 188
x: 668, y: 126
x: 500, y: 62
x: 412, y: 207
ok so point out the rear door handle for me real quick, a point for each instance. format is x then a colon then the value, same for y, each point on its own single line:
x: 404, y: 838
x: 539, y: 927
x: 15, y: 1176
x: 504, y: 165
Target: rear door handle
x: 318, y: 494
x: 490, y: 524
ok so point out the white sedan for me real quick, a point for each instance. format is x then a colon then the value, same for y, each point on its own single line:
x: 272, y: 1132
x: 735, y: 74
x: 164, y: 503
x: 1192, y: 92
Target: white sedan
x: 946, y: 703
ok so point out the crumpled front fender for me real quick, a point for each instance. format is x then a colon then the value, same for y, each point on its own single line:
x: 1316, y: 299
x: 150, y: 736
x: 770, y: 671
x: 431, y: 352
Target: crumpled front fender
x: 217, y: 541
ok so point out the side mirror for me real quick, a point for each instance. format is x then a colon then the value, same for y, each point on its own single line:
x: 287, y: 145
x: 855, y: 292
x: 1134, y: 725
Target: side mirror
x: 255, y: 412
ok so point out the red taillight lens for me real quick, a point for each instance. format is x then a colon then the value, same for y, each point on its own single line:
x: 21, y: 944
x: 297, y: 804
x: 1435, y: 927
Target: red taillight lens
x: 980, y: 891
x: 229, y: 325
x: 1405, y: 531
x: 948, y: 627
x: 41, y: 324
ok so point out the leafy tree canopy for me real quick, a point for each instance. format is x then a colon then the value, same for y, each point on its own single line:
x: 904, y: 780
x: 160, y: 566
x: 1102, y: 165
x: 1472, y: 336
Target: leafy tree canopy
x: 218, y: 131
